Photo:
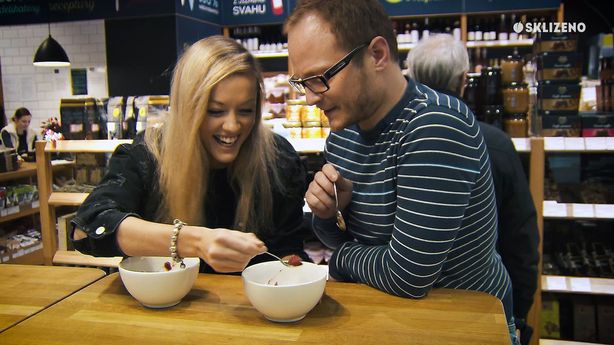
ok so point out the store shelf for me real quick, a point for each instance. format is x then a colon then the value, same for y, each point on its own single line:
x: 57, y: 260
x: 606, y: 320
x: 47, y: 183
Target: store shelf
x: 563, y: 342
x: 579, y: 144
x: 500, y: 44
x: 265, y: 55
x: 28, y: 256
x: 580, y: 285
x: 21, y: 212
x: 67, y: 199
x: 522, y: 144
x: 308, y: 145
x: 555, y: 210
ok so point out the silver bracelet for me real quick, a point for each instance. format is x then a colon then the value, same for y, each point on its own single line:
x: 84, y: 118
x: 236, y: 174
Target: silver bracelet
x: 177, y: 225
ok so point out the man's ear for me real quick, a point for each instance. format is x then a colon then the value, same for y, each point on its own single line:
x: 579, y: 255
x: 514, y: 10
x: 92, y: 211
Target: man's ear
x: 379, y: 51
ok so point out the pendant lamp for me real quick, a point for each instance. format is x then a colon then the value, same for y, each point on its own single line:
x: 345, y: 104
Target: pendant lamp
x: 50, y: 53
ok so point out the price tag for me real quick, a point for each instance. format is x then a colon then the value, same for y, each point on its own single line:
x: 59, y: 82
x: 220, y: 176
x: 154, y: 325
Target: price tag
x: 554, y: 143
x: 604, y: 211
x: 36, y: 203
x: 12, y: 210
x: 582, y: 210
x: 553, y: 209
x: 580, y: 284
x: 521, y: 144
x: 574, y: 144
x: 556, y: 283
x: 596, y: 143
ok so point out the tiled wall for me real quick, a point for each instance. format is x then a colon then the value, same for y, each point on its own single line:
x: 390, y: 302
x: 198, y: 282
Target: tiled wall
x: 40, y: 89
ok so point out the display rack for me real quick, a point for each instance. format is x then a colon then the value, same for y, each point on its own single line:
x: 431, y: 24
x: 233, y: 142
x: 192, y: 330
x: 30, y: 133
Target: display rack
x: 49, y: 200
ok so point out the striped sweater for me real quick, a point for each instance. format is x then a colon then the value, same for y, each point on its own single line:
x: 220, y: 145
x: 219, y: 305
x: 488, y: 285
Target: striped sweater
x: 423, y: 211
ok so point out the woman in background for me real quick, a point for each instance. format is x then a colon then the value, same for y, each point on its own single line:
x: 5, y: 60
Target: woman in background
x: 18, y: 134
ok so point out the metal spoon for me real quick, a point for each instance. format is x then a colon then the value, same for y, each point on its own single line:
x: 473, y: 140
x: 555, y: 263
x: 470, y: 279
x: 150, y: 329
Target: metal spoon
x: 284, y: 262
x: 340, y: 221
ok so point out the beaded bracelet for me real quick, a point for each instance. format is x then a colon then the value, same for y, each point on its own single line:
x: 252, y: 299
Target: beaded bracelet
x: 177, y: 225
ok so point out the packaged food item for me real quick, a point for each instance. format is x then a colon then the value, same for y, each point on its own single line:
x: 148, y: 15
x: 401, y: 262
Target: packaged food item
x: 295, y: 129
x: 559, y: 67
x: 516, y: 125
x: 310, y: 113
x: 511, y: 70
x: 597, y: 125
x: 555, y: 42
x: 312, y: 130
x: 470, y: 96
x: 561, y: 98
x: 293, y: 110
x: 516, y: 98
x: 560, y: 125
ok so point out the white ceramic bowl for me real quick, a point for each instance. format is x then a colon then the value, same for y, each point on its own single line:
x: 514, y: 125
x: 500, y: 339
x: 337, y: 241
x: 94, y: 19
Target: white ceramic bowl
x: 152, y: 285
x: 284, y: 294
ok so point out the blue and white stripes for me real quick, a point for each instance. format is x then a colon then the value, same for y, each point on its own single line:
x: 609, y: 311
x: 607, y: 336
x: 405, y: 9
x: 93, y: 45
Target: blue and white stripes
x: 423, y: 211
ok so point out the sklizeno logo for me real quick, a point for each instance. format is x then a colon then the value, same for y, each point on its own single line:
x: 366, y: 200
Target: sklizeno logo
x: 564, y: 27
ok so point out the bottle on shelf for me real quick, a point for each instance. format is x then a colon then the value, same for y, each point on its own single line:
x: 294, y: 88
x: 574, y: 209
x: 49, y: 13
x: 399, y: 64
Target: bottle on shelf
x: 456, y: 32
x: 479, y: 34
x: 513, y: 35
x: 471, y: 32
x: 426, y: 29
x: 415, y: 32
x: 503, y: 31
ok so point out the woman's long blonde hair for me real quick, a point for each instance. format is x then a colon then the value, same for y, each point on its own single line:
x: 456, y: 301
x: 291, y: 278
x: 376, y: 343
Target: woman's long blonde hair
x: 183, y: 162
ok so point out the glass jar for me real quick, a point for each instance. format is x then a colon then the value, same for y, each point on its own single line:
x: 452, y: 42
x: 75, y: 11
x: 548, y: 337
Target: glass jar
x: 515, y: 125
x: 293, y: 110
x: 493, y: 115
x: 470, y: 95
x: 516, y: 98
x: 511, y: 70
x: 490, y: 86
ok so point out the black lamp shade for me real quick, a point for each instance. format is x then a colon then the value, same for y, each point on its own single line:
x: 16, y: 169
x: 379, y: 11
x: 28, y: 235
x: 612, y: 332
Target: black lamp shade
x: 51, y: 54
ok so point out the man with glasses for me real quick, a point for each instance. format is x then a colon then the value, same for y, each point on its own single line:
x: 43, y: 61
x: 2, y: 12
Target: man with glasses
x: 409, y: 164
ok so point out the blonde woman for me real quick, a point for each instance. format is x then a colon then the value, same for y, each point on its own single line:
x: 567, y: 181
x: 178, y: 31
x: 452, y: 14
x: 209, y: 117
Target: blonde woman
x: 212, y: 165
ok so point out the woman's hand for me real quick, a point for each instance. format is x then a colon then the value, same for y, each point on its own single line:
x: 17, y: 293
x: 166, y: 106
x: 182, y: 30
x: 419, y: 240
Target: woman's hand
x: 320, y: 195
x: 228, y: 250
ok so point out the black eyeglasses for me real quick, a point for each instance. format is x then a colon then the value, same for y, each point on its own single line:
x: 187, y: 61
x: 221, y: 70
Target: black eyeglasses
x: 319, y: 83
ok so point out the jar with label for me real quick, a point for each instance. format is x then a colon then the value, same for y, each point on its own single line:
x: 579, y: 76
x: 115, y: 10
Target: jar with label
x: 511, y: 70
x: 515, y: 125
x: 516, y: 98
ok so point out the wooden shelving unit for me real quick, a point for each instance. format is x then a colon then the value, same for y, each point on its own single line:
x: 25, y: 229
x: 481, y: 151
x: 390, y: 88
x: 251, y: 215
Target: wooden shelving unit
x: 50, y: 200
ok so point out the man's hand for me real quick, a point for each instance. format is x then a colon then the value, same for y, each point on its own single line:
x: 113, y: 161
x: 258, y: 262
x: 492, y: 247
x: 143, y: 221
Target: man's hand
x: 320, y: 195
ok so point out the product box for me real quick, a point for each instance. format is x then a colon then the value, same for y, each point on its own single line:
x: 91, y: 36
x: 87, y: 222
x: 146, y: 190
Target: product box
x: 605, y: 320
x: 560, y: 125
x: 555, y: 42
x: 597, y: 124
x: 549, y: 319
x: 559, y: 98
x: 559, y: 67
x: 584, y: 320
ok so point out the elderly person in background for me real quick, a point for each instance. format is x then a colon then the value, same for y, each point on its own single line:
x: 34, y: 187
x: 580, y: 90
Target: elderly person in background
x: 441, y: 62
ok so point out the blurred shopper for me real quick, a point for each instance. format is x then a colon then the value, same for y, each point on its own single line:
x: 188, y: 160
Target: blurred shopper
x: 18, y: 134
x: 235, y: 188
x: 409, y: 164
x: 442, y: 63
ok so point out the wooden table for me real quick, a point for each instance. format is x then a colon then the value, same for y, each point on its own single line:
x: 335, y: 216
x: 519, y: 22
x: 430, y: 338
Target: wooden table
x: 27, y: 289
x: 216, y: 311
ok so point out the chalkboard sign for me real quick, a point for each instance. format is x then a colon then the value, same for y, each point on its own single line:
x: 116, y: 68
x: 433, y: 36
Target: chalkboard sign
x: 79, y: 81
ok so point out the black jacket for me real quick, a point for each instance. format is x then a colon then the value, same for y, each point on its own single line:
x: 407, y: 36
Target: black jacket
x: 130, y: 188
x: 518, y: 233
